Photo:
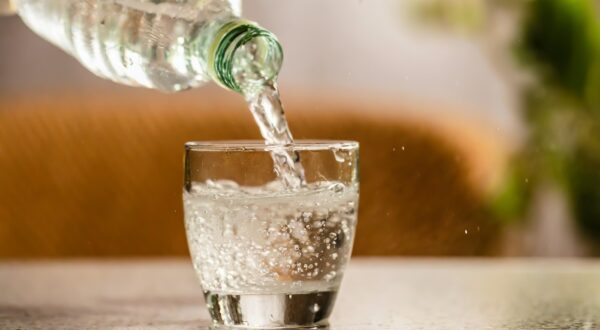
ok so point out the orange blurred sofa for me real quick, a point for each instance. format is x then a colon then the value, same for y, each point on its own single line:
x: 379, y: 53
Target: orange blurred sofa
x: 98, y: 174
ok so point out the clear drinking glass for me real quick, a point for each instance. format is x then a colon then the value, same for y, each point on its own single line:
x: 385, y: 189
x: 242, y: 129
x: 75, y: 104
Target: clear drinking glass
x: 269, y: 256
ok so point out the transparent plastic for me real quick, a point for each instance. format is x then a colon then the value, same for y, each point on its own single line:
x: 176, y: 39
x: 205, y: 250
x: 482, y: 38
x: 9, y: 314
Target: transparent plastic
x: 166, y: 45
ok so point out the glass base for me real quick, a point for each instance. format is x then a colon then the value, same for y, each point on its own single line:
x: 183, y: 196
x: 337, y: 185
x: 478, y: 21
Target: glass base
x: 291, y: 327
x: 270, y: 311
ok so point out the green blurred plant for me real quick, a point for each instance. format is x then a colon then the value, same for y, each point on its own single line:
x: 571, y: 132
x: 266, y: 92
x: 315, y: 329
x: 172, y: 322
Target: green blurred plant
x: 559, y: 45
x: 564, y: 36
x: 561, y: 41
x: 459, y: 15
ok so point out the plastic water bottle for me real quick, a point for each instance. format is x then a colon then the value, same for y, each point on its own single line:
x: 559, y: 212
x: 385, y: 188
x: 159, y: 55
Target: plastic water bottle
x: 170, y: 45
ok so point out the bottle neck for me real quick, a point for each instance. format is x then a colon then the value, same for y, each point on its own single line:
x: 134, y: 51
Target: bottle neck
x: 244, y: 56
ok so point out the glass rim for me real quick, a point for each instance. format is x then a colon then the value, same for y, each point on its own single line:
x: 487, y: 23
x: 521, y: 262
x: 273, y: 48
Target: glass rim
x: 259, y: 145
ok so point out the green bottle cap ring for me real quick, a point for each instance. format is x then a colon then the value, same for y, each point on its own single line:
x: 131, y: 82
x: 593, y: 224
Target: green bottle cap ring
x: 228, y: 39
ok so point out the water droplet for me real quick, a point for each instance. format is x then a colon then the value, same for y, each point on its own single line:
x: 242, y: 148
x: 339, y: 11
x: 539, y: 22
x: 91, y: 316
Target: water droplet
x: 466, y: 231
x: 339, y: 157
x: 315, y: 308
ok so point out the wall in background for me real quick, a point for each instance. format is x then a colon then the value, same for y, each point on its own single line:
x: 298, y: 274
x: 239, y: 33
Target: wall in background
x: 359, y: 47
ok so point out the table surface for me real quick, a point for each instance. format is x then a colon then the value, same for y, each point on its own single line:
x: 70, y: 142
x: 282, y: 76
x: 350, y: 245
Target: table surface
x: 376, y: 294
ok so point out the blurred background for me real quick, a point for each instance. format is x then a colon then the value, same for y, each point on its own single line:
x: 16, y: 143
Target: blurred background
x: 479, y: 124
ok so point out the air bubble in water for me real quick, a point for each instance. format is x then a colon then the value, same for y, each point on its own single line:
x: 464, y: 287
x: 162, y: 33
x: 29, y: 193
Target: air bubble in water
x: 267, y: 252
x: 336, y: 187
x: 330, y: 276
